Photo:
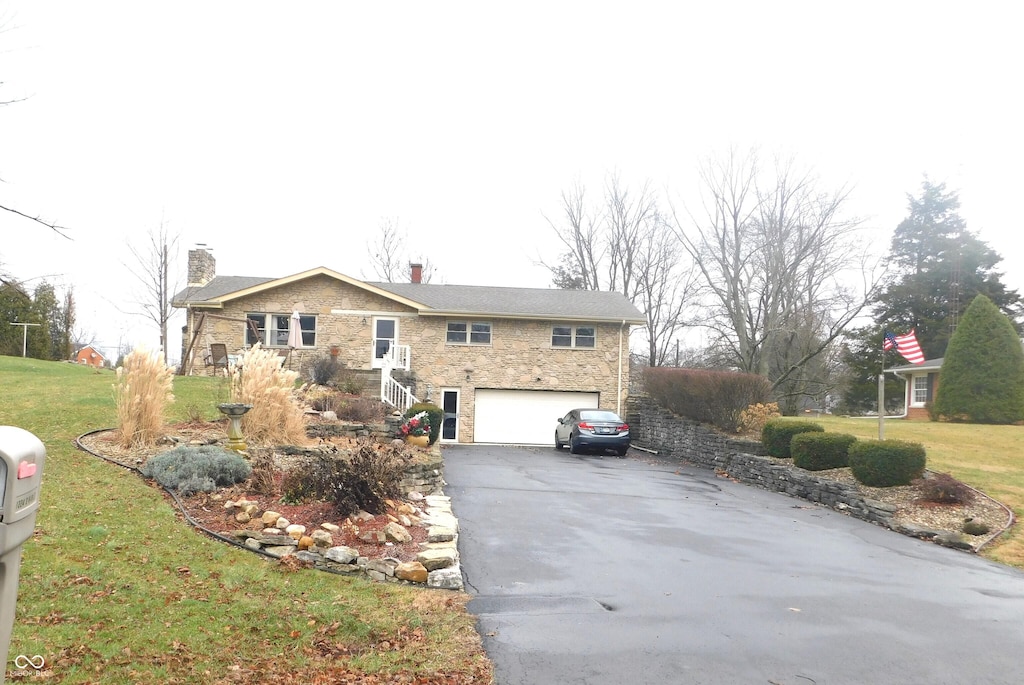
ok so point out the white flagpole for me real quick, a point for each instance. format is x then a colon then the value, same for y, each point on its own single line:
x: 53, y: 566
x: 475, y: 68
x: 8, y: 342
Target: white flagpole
x: 881, y: 399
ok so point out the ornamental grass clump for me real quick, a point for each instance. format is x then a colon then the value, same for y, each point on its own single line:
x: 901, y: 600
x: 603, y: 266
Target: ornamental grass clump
x: 276, y: 417
x: 143, y: 390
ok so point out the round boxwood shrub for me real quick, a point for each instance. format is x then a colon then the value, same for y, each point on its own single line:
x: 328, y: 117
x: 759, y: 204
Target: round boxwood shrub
x: 435, y: 413
x: 819, y: 451
x: 884, y: 463
x: 777, y: 433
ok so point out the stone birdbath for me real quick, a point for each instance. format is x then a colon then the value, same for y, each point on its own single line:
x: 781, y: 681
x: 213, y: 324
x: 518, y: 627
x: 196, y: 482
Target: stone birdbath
x: 235, y: 411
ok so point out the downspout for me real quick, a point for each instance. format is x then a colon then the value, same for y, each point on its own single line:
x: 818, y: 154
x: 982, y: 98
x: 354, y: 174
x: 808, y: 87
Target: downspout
x: 906, y: 395
x: 618, y: 394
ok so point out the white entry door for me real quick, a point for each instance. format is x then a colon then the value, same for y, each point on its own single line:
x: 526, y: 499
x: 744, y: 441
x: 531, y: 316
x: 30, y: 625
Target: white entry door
x: 385, y: 334
x: 524, y: 417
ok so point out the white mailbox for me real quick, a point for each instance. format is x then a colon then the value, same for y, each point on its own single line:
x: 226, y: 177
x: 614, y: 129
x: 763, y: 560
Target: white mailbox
x: 21, y: 471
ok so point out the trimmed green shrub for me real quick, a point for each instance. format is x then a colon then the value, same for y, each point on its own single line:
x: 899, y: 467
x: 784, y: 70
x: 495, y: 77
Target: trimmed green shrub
x: 435, y: 413
x: 714, y: 397
x: 778, y: 433
x: 819, y: 451
x: 196, y: 469
x: 885, y: 463
x: 982, y: 379
x: 972, y: 527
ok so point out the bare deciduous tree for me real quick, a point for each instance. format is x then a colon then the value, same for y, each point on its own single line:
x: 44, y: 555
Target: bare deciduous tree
x: 774, y: 254
x: 388, y: 256
x: 152, y: 269
x: 623, y: 245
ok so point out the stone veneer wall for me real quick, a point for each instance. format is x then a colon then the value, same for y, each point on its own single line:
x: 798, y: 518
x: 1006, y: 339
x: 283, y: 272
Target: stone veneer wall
x: 681, y: 439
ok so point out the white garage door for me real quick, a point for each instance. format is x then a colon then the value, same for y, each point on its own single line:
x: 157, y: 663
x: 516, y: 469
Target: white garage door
x: 524, y: 417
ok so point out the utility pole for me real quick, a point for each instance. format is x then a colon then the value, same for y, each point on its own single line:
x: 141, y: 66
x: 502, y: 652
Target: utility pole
x: 24, y: 335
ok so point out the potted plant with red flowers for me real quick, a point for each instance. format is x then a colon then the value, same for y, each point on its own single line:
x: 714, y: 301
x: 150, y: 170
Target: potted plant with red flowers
x: 416, y: 429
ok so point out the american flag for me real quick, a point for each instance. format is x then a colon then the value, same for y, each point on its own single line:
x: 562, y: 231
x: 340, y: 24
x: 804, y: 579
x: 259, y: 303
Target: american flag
x: 905, y: 345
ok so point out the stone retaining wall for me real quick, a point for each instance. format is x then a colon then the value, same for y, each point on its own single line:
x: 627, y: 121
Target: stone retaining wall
x: 425, y: 477
x: 681, y: 439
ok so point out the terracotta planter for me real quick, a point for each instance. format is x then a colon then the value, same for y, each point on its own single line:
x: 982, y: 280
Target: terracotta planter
x: 418, y: 440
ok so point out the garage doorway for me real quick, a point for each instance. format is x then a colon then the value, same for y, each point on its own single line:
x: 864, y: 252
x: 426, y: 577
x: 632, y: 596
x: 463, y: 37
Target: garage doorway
x: 524, y: 417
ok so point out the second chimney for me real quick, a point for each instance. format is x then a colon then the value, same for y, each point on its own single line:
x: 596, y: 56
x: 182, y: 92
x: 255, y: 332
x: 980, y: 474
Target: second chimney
x: 416, y: 275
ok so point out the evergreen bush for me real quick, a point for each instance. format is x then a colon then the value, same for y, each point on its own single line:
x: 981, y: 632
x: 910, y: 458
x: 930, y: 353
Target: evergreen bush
x: 885, y: 463
x: 819, y: 451
x: 713, y: 397
x: 435, y: 413
x: 778, y: 433
x: 190, y: 469
x: 982, y: 378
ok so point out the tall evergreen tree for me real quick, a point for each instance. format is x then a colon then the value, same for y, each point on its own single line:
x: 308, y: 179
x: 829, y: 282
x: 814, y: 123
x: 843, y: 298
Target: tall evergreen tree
x: 982, y: 377
x: 941, y: 267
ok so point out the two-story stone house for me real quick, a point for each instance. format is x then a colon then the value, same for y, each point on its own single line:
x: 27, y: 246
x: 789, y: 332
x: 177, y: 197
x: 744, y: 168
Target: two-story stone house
x: 503, y: 363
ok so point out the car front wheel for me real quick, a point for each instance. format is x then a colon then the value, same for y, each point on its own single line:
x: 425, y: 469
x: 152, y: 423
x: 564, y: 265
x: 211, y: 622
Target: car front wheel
x: 558, y: 443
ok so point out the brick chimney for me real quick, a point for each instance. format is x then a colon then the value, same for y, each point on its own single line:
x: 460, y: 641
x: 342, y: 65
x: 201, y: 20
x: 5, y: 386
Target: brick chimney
x: 417, y: 273
x: 202, y: 267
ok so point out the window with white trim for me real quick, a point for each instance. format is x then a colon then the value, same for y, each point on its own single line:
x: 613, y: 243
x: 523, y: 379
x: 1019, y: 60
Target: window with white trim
x: 920, y: 390
x: 279, y: 326
x: 574, y: 336
x: 468, y: 333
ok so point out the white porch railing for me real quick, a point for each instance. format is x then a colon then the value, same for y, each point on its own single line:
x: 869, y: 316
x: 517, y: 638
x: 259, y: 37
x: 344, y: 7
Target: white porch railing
x: 391, y: 391
x: 398, y: 355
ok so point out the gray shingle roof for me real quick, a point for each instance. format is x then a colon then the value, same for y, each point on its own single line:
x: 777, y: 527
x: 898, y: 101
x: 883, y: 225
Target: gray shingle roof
x: 217, y: 288
x: 532, y: 302
x: 466, y: 300
x: 926, y: 364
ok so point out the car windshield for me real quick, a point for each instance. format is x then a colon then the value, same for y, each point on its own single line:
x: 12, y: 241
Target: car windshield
x: 608, y: 416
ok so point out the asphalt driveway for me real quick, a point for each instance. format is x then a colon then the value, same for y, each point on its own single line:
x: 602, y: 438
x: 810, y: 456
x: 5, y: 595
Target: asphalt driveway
x: 604, y: 570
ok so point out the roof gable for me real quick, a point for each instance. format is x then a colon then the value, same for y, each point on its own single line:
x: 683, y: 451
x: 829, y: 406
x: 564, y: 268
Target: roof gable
x: 227, y: 288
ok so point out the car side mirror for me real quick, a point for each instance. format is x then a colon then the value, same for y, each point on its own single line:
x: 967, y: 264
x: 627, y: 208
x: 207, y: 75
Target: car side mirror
x: 559, y: 419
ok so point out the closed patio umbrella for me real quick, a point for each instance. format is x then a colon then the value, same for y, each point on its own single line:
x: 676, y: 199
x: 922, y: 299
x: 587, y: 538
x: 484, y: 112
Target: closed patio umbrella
x: 295, y: 331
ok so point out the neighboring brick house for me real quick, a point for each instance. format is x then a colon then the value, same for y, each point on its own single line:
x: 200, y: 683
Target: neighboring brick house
x: 503, y: 363
x: 91, y: 356
x: 922, y: 385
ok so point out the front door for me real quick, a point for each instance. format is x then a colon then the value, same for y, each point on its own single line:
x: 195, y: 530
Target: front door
x: 385, y: 334
x: 450, y: 424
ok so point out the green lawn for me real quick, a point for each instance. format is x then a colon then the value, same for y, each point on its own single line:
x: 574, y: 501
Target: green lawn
x: 115, y: 588
x: 990, y: 458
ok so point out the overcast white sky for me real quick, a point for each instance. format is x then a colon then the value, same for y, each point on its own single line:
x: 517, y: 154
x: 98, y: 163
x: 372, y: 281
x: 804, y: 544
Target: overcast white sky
x: 280, y: 134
